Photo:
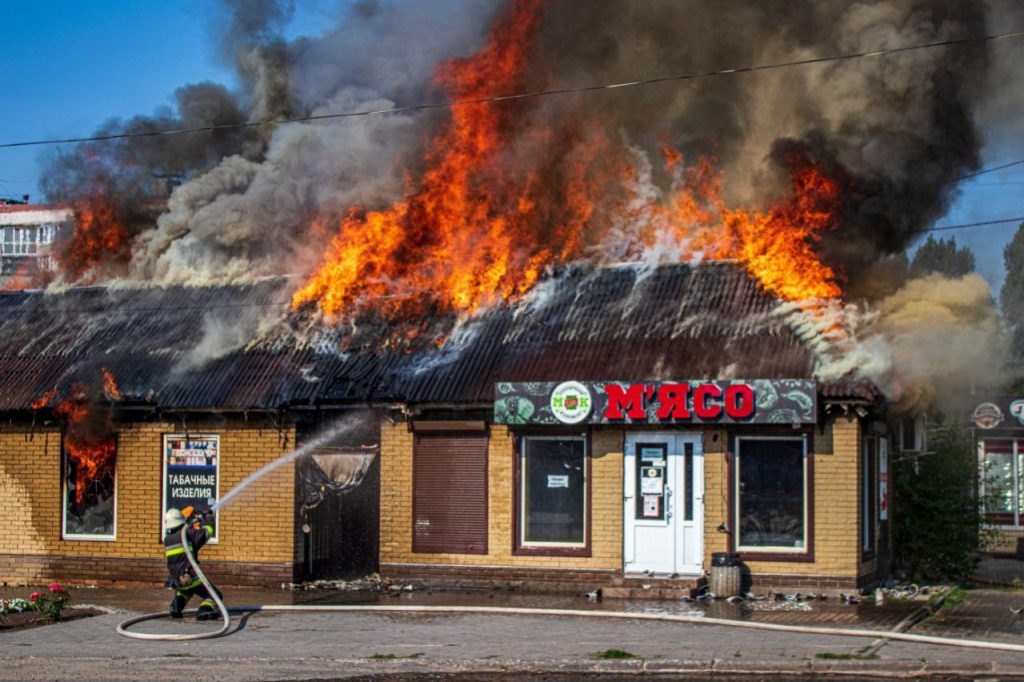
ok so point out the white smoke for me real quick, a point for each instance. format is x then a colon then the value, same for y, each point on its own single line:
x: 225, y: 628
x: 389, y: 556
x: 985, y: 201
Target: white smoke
x: 927, y: 344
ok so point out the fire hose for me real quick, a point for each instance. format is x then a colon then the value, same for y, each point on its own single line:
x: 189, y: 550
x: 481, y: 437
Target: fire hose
x: 122, y: 628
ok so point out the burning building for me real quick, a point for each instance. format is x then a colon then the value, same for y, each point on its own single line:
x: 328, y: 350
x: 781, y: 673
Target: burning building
x: 27, y: 234
x: 541, y: 306
x: 506, y: 452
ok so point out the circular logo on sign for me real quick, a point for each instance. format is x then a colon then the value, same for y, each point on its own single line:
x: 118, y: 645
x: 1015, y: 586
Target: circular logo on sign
x: 987, y: 416
x: 1017, y: 410
x: 570, y: 402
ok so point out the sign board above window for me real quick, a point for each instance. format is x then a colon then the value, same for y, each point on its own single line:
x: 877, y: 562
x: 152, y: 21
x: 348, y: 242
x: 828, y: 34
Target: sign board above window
x: 758, y: 401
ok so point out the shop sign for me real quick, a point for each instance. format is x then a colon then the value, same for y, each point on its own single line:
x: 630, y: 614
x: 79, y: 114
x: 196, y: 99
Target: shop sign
x: 759, y: 401
x: 1017, y: 410
x: 987, y: 416
x: 191, y: 468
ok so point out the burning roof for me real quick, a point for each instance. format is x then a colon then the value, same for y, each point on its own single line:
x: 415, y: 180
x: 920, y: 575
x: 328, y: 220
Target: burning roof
x: 240, y: 347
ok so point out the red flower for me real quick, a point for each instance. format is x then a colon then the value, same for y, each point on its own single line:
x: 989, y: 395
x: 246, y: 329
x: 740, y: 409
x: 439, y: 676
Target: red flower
x: 55, y: 587
x: 34, y: 596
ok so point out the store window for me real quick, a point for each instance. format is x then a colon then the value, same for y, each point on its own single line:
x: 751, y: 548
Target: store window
x: 771, y: 495
x: 999, y: 478
x: 90, y: 490
x: 552, y: 493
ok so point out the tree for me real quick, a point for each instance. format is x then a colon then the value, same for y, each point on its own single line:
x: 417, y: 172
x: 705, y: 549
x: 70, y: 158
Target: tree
x: 941, y: 526
x: 1011, y: 297
x: 943, y: 257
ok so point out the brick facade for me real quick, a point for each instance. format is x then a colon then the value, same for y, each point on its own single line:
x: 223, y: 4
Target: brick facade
x: 256, y: 533
x: 837, y: 557
x: 396, y: 505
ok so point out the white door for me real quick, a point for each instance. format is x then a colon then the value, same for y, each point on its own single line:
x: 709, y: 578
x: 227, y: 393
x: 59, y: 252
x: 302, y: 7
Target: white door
x: 664, y: 503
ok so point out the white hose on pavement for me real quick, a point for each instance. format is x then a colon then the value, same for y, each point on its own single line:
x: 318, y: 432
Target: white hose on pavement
x: 122, y: 629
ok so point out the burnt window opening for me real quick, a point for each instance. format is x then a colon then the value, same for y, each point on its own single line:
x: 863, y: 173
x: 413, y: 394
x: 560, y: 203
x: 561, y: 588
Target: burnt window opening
x: 772, y: 495
x: 89, y: 490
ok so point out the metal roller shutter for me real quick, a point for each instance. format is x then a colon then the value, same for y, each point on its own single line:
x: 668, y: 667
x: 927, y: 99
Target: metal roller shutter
x: 450, y: 493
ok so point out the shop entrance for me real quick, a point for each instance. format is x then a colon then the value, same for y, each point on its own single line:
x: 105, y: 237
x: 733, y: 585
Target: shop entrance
x: 664, y: 503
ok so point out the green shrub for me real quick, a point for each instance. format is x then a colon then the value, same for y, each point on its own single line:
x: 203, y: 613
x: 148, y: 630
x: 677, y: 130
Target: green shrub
x: 938, y: 523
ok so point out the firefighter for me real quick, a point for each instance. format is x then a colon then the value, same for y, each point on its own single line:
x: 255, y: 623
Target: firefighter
x: 182, y: 580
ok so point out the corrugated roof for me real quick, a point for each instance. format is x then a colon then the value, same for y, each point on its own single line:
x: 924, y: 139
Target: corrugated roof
x: 614, y: 323
x: 617, y: 323
x: 176, y: 347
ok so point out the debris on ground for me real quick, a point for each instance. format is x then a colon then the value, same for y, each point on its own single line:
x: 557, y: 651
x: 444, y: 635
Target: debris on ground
x: 370, y: 583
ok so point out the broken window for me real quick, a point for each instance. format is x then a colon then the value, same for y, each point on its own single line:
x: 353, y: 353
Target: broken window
x: 90, y: 485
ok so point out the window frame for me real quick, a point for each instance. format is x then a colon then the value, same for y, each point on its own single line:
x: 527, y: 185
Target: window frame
x: 789, y: 554
x: 64, y: 469
x: 1000, y: 519
x: 521, y: 548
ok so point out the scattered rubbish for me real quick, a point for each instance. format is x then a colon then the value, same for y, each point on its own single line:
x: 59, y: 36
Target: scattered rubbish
x: 371, y: 583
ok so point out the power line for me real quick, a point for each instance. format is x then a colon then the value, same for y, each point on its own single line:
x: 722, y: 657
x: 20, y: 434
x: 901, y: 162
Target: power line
x: 1001, y: 221
x: 986, y: 170
x: 525, y: 95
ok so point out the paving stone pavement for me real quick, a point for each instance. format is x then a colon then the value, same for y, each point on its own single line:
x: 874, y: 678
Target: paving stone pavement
x: 302, y: 646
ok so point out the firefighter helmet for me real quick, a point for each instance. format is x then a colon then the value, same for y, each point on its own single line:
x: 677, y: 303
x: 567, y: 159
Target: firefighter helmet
x: 173, y: 519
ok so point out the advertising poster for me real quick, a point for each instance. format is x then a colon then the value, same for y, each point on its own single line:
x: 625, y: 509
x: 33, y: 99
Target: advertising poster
x: 651, y: 481
x: 652, y: 506
x: 883, y: 479
x: 191, y: 472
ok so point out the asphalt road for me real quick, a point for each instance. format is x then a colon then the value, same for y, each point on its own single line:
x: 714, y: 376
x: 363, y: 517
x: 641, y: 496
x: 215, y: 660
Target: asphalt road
x: 305, y: 646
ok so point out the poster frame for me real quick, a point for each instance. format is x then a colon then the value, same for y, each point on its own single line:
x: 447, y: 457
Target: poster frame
x: 163, y: 478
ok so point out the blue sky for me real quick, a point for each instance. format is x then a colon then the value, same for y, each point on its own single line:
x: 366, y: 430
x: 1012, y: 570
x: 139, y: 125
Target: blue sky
x: 70, y: 65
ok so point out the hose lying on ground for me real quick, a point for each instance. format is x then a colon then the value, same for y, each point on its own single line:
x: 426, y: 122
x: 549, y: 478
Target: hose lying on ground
x: 122, y: 629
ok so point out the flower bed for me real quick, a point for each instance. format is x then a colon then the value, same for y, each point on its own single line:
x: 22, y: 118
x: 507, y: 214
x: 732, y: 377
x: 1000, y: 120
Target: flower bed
x: 47, y: 604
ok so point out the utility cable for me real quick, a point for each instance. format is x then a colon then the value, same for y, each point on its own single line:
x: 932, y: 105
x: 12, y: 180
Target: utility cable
x: 447, y: 104
x: 983, y: 223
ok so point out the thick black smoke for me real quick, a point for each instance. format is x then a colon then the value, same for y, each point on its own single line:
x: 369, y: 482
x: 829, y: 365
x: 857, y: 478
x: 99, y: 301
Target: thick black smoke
x: 898, y: 129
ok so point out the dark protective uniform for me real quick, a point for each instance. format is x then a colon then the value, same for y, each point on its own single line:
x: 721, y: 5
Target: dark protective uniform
x: 182, y: 580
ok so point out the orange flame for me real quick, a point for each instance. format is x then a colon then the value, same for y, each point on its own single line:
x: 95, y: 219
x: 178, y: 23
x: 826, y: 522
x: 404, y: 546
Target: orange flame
x: 455, y: 236
x: 88, y: 440
x: 45, y: 399
x: 477, y: 229
x: 100, y: 239
x: 26, y: 276
x: 110, y: 388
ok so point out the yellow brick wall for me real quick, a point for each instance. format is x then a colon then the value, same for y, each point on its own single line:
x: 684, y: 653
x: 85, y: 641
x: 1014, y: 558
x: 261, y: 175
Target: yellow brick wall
x: 836, y: 467
x: 396, y: 505
x: 258, y: 527
x: 836, y: 477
